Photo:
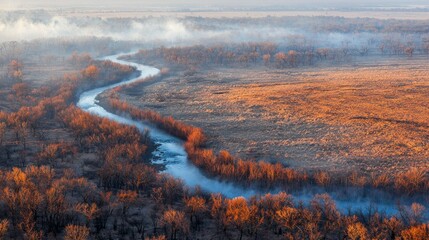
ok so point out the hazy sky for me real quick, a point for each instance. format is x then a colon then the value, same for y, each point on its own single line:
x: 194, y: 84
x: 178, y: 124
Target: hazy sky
x: 142, y: 4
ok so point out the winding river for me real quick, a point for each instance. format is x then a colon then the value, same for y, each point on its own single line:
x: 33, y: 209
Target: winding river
x: 171, y: 153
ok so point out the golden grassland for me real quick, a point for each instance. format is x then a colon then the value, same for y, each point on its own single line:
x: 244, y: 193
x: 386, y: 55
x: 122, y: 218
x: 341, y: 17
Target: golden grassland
x: 368, y: 113
x: 370, y: 119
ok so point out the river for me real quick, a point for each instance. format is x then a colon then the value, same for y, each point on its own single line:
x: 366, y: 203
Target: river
x: 171, y: 153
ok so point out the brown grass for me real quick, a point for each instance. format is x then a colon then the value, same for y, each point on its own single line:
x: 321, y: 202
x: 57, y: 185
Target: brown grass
x: 369, y: 113
x: 370, y: 119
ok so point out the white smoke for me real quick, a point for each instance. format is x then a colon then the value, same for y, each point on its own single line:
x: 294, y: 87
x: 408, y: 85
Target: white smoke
x: 167, y: 31
x: 31, y: 25
x: 26, y: 29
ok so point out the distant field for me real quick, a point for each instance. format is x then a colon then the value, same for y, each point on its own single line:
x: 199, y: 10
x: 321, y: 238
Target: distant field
x: 42, y: 71
x: 369, y: 118
x: 251, y: 14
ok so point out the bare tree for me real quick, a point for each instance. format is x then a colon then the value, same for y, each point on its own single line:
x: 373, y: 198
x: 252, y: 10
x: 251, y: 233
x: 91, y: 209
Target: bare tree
x: 75, y: 232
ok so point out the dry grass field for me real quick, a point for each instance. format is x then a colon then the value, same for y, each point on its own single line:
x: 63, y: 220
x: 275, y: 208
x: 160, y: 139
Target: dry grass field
x: 368, y: 118
x: 41, y: 71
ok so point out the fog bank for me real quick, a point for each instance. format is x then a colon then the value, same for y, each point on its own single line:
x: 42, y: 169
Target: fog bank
x: 168, y: 31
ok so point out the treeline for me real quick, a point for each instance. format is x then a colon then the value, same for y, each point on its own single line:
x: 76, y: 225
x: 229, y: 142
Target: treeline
x: 320, y: 24
x: 36, y: 203
x: 37, y: 105
x: 273, y: 55
x: 56, y: 50
x: 96, y: 73
x: 226, y: 166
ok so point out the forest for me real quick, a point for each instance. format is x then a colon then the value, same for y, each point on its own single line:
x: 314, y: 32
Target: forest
x: 274, y: 55
x: 68, y: 173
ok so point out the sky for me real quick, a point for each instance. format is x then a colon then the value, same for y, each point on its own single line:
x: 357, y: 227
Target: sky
x: 165, y: 4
